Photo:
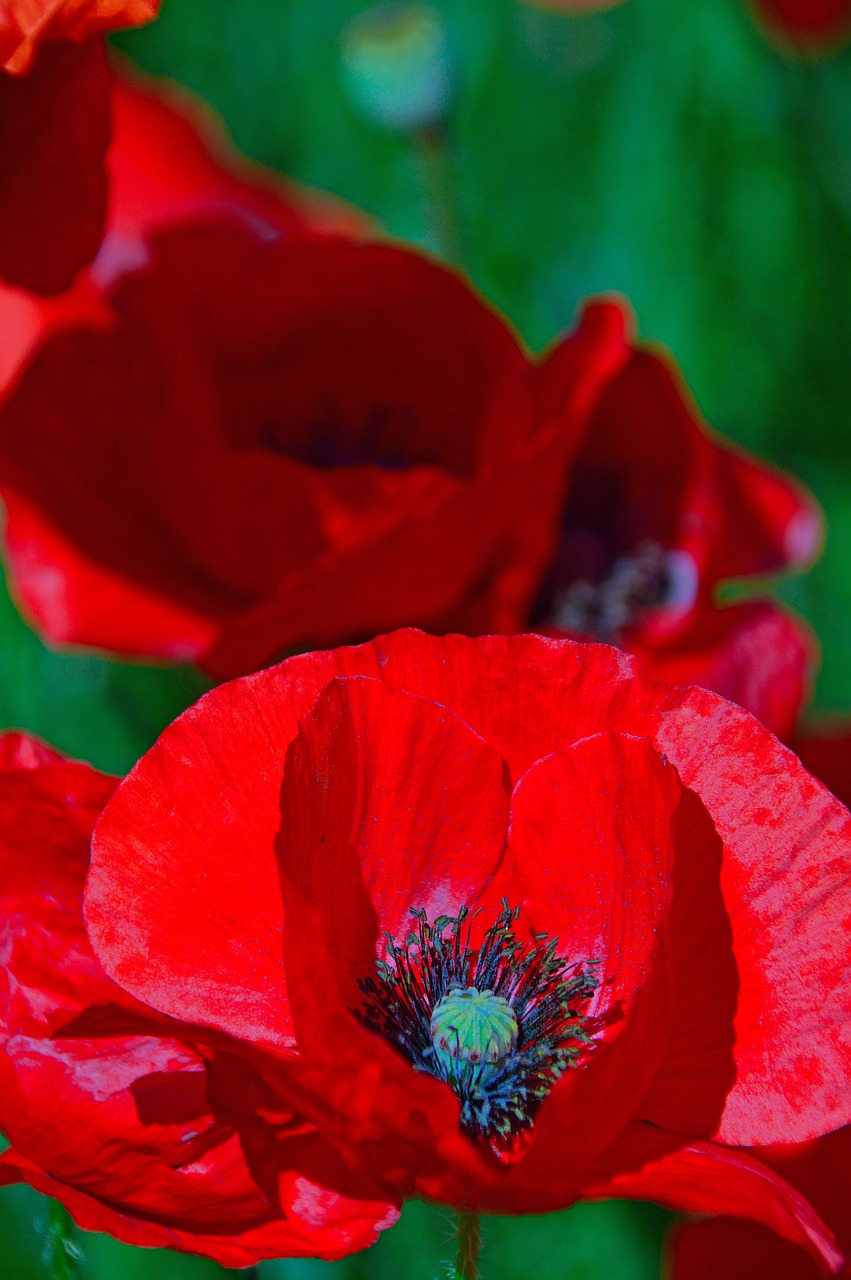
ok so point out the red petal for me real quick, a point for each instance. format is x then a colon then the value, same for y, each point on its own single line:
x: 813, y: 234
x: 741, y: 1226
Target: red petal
x: 388, y: 803
x: 121, y: 1132
x: 774, y: 523
x: 111, y: 1119
x: 21, y: 751
x: 648, y: 470
x: 183, y: 900
x: 25, y: 23
x: 73, y: 599
x: 754, y: 654
x: 744, y: 1251
x: 700, y: 1177
x: 826, y: 752
x: 54, y: 130
x: 787, y: 891
x: 591, y: 847
x: 170, y: 162
x: 738, y: 1250
x: 806, y: 26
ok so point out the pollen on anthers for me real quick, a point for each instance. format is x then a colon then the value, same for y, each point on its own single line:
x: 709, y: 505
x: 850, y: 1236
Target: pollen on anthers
x: 499, y: 1023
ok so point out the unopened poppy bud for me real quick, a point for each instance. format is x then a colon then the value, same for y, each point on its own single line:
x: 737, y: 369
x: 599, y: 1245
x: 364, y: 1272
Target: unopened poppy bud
x: 396, y: 65
x: 474, y: 1026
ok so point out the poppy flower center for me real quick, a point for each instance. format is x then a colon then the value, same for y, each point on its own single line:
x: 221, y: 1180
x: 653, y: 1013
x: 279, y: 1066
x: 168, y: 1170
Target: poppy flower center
x: 500, y: 1024
x: 474, y: 1026
x: 633, y: 585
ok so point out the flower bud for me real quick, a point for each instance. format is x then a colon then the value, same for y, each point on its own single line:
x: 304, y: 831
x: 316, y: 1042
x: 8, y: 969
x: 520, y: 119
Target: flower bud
x: 396, y: 65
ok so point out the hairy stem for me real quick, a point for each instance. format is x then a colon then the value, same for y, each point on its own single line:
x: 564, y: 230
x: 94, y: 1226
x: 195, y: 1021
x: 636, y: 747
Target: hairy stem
x: 61, y: 1254
x: 469, y: 1241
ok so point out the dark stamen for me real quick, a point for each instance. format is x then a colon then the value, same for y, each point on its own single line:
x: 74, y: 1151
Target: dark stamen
x: 633, y: 586
x: 500, y: 1024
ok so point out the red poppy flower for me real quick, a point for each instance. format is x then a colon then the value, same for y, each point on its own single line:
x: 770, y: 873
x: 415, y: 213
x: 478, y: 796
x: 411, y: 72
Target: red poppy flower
x: 549, y: 930
x: 806, y: 26
x: 658, y: 513
x: 105, y: 1103
x: 26, y: 24
x: 282, y: 445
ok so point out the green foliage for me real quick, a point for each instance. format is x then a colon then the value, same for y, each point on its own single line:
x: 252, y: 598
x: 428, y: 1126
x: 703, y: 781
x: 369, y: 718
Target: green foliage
x: 618, y: 1240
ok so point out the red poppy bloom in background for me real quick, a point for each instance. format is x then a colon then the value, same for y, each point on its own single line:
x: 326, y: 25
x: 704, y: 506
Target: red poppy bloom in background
x: 106, y: 1104
x: 658, y: 513
x: 284, y: 445
x: 807, y: 26
x: 27, y: 24
x: 617, y: 914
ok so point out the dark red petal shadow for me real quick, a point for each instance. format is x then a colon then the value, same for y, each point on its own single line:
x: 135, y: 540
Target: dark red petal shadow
x: 54, y: 131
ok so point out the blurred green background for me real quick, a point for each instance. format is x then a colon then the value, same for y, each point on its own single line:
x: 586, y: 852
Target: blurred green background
x: 661, y: 149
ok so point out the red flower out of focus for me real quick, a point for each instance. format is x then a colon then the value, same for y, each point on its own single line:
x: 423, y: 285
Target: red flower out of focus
x: 107, y: 1104
x: 808, y: 27
x: 278, y: 445
x: 658, y: 514
x: 549, y: 930
x: 168, y: 163
x: 54, y: 131
x: 27, y: 24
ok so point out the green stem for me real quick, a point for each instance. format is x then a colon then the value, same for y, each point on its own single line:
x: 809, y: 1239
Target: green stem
x: 61, y: 1254
x: 469, y: 1242
x: 441, y: 192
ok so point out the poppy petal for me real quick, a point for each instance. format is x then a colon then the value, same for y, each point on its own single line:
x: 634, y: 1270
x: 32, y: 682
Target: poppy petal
x: 700, y: 1177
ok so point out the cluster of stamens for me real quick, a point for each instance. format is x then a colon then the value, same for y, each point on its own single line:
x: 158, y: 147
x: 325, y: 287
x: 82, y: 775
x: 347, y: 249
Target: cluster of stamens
x: 500, y: 1024
x: 634, y: 585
